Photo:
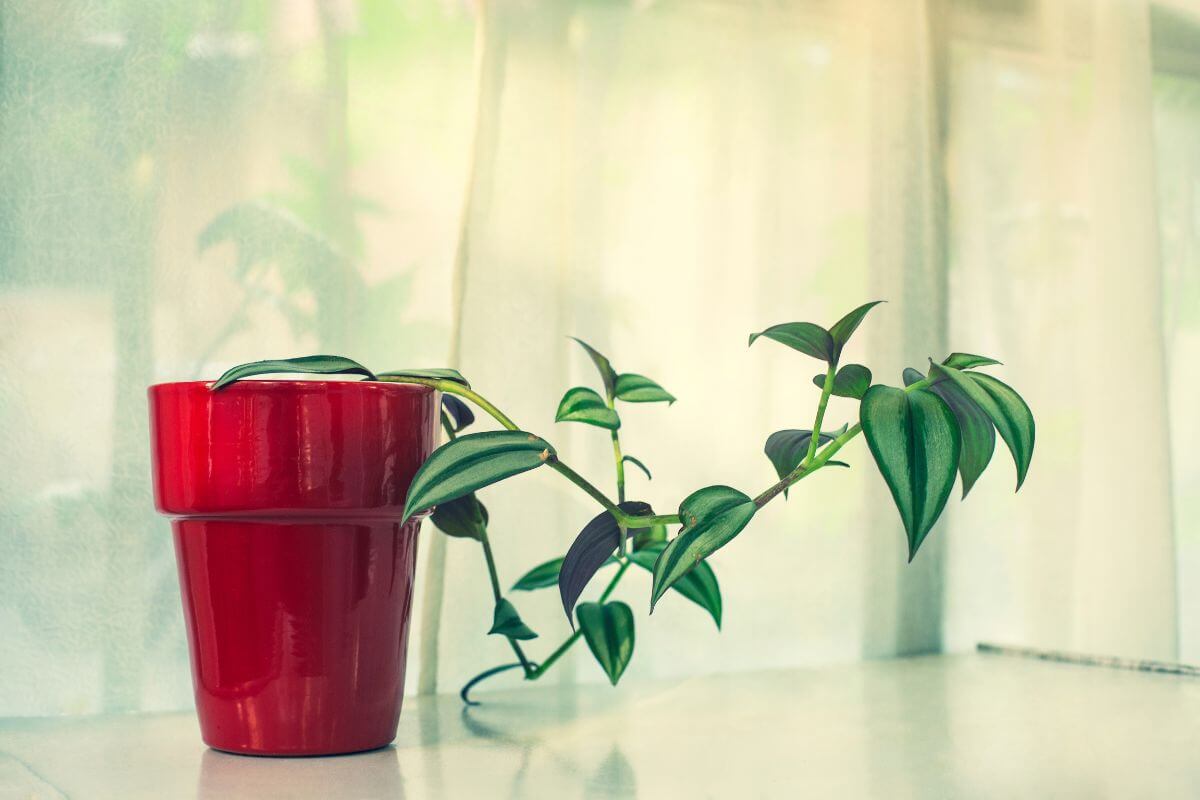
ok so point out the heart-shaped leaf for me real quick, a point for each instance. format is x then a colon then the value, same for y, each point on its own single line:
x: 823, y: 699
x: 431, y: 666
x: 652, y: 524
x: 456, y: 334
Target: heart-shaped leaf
x: 852, y: 380
x: 810, y: 339
x: 607, y: 374
x: 1005, y: 408
x: 608, y: 629
x: 639, y: 389
x: 844, y: 328
x: 464, y: 517
x: 471, y: 462
x: 639, y: 465
x: 912, y: 376
x: 507, y: 622
x: 700, y: 585
x: 460, y: 413
x: 967, y: 361
x: 915, y: 441
x: 437, y: 374
x: 978, y: 433
x: 597, y: 541
x: 787, y: 448
x: 313, y: 365
x: 711, y: 517
x: 581, y: 404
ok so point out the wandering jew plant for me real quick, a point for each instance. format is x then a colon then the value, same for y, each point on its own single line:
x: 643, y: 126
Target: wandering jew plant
x: 920, y: 435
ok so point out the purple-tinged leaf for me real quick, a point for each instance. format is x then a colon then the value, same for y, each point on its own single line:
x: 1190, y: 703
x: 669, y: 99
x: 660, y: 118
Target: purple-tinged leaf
x: 459, y: 412
x: 597, y: 541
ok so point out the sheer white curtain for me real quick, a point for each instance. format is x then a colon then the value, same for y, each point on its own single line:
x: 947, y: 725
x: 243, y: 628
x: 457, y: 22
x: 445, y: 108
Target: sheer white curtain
x: 659, y: 179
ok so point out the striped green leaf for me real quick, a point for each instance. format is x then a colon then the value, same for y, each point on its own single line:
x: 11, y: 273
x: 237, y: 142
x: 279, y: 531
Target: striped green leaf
x: 437, y: 374
x: 808, y: 338
x: 581, y: 404
x: 967, y: 361
x: 311, y: 365
x: 711, y: 518
x: 978, y: 433
x: 639, y: 389
x: 464, y: 517
x: 915, y: 441
x: 472, y: 462
x: 1005, y: 408
x: 608, y: 629
x: 700, y: 585
x: 607, y: 374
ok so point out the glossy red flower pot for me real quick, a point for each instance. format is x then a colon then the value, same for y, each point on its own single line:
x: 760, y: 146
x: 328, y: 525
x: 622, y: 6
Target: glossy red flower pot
x: 296, y: 574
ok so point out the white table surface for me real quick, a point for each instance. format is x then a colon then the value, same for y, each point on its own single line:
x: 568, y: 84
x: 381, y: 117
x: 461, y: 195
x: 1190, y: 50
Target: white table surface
x: 951, y: 726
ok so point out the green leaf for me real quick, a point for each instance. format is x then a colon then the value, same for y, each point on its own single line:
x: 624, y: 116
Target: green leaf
x: 810, y: 339
x: 542, y: 576
x: 1005, y: 408
x: 967, y: 361
x: 314, y: 365
x: 852, y: 380
x: 639, y: 389
x: 711, y: 517
x: 915, y: 441
x: 464, y: 517
x: 607, y: 374
x: 471, y: 462
x: 787, y: 448
x: 581, y: 404
x: 507, y: 622
x: 437, y: 374
x: 608, y: 629
x: 639, y: 465
x: 912, y: 376
x: 978, y: 433
x: 845, y: 327
x: 645, y: 537
x: 700, y: 585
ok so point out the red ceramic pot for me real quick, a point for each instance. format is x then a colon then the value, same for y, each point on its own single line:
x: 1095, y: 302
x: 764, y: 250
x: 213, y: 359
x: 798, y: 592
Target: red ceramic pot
x: 296, y: 574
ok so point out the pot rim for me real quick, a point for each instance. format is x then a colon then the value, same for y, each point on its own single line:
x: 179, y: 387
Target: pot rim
x: 284, y: 385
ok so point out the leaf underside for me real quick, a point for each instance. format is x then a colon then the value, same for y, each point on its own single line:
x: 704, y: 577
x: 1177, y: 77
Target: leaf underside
x: 915, y: 441
x: 461, y: 415
x: 841, y: 331
x: 609, y: 631
x: 1005, y: 408
x: 787, y: 448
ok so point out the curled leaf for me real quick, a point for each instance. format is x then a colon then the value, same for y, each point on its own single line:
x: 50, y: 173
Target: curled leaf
x: 844, y: 328
x: 461, y: 415
x: 639, y: 465
x: 471, y: 462
x: 311, y: 365
x: 700, y: 585
x: 581, y: 404
x: 507, y: 622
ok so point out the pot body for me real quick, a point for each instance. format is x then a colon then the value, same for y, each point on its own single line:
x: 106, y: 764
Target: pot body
x: 296, y: 575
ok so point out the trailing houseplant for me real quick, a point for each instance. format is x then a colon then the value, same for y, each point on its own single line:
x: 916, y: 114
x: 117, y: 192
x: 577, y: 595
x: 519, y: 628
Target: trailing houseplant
x: 938, y: 424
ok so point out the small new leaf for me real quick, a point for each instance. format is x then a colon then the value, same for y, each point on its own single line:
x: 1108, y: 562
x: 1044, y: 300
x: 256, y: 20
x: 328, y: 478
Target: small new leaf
x: 639, y: 465
x: 639, y: 389
x: 852, y: 380
x: 464, y: 517
x: 711, y: 517
x: 581, y: 404
x: 967, y: 361
x: 912, y: 376
x: 437, y: 374
x: 608, y: 630
x: 507, y: 622
x: 312, y: 365
x: 607, y: 374
x: 844, y: 328
x: 808, y: 338
x: 915, y: 441
x: 472, y: 462
x: 700, y: 585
